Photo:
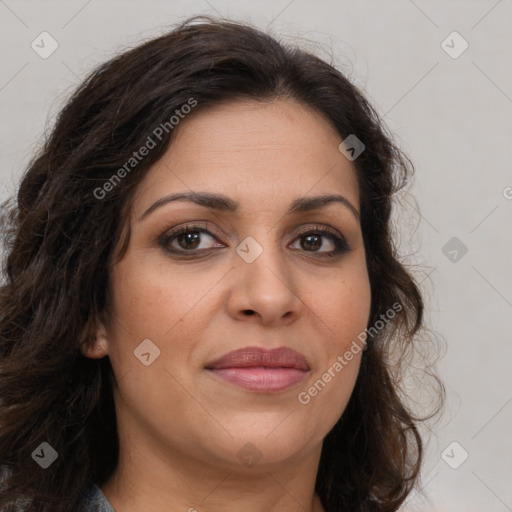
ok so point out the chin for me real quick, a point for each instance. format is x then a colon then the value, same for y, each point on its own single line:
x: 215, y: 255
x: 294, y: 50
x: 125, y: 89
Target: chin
x: 264, y: 441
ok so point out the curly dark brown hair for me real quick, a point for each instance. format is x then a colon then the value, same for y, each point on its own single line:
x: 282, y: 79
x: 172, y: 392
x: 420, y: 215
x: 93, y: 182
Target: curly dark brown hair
x: 60, y: 239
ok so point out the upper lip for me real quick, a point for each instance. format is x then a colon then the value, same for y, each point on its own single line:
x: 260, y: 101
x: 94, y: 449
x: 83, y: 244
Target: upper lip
x: 281, y: 357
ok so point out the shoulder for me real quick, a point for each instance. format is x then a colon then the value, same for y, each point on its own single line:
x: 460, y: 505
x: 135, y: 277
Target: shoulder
x: 95, y: 501
x: 93, y: 498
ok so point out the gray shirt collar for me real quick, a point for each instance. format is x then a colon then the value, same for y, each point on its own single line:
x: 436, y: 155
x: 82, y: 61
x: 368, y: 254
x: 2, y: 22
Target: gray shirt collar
x: 95, y: 501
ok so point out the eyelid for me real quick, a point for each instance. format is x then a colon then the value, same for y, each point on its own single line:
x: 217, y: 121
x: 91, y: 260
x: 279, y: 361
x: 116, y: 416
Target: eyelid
x: 201, y: 226
x: 171, y: 226
x: 323, y: 228
x: 339, y: 240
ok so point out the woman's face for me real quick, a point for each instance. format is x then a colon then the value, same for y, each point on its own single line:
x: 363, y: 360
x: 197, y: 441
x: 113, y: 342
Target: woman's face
x: 248, y: 272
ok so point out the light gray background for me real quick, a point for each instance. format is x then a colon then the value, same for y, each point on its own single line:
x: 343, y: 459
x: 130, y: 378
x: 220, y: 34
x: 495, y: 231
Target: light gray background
x: 452, y: 116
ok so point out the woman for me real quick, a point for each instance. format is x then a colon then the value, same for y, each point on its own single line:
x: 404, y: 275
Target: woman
x: 202, y: 308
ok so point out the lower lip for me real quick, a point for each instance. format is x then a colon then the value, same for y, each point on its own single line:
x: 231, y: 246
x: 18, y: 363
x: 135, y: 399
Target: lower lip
x: 262, y: 379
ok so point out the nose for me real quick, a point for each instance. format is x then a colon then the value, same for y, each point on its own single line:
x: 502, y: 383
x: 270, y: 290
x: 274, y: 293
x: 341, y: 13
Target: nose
x: 265, y: 290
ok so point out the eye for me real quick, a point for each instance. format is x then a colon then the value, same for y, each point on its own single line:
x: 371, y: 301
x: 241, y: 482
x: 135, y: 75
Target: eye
x: 197, y: 238
x: 189, y: 238
x: 313, y: 239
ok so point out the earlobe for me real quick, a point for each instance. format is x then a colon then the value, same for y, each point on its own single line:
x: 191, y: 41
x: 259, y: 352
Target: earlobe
x: 98, y: 347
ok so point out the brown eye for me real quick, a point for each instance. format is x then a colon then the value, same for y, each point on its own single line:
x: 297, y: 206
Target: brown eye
x: 195, y: 240
x: 313, y: 241
x: 188, y: 239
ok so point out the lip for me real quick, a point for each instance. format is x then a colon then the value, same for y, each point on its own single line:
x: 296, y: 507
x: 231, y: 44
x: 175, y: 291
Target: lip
x: 261, y: 370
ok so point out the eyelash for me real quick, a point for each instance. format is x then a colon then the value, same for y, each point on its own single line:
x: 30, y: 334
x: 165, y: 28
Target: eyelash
x: 339, y: 240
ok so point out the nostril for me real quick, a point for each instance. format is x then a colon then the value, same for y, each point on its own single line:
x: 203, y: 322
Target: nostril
x: 248, y: 312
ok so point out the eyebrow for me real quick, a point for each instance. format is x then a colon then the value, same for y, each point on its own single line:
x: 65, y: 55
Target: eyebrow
x: 223, y: 203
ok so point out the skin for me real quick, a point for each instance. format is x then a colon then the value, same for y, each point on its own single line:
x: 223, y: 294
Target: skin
x: 180, y: 427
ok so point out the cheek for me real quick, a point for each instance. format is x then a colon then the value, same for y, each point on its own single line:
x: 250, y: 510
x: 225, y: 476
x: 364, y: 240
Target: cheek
x: 146, y: 306
x: 344, y: 306
x: 151, y: 301
x: 164, y: 308
x: 343, y: 309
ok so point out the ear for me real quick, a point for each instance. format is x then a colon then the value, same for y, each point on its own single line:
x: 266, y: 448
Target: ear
x: 96, y: 346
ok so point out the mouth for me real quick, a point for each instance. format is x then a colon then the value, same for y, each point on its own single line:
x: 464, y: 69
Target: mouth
x: 261, y: 370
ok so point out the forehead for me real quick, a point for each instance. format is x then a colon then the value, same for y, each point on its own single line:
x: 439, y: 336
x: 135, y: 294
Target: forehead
x: 251, y: 151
